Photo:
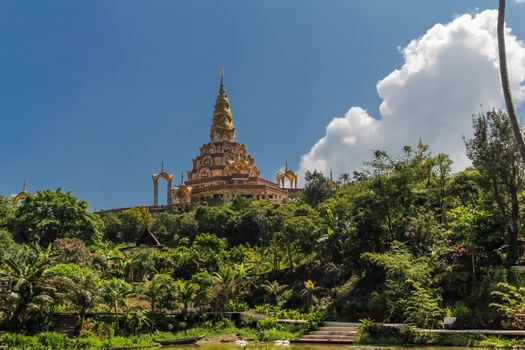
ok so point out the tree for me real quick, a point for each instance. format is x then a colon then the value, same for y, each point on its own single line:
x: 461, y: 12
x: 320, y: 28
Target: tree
x: 226, y: 284
x: 114, y: 293
x: 47, y: 215
x: 308, y: 293
x: 78, y: 285
x: 273, y: 291
x: 136, y: 319
x: 204, y: 293
x: 318, y: 188
x: 160, y: 291
x: 493, y: 152
x: 186, y: 292
x: 511, y: 111
x: 134, y: 221
x: 32, y: 292
x: 510, y: 303
x: 7, y: 211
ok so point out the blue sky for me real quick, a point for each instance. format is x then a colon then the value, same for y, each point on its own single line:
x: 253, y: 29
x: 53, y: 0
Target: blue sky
x: 95, y: 94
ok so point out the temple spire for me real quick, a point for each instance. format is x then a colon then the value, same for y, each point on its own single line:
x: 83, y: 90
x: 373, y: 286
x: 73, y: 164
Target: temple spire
x: 222, y: 127
x: 24, y: 187
x: 162, y: 166
x: 182, y: 178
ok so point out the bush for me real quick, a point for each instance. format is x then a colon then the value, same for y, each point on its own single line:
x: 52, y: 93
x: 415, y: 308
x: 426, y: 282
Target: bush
x: 266, y: 323
x: 20, y: 341
x: 54, y: 340
x: 370, y: 327
x: 276, y: 334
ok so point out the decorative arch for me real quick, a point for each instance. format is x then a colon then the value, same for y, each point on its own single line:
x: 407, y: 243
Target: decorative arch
x: 211, y: 149
x: 17, y: 198
x: 162, y: 175
x: 207, y: 160
x: 227, y: 147
x: 204, y: 172
x: 289, y: 175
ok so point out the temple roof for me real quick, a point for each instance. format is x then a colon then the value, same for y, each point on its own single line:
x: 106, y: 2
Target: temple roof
x: 148, y: 239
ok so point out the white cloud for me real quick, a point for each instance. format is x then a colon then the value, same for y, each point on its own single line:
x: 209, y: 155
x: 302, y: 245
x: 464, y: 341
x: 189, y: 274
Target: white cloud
x: 519, y: 1
x: 448, y: 74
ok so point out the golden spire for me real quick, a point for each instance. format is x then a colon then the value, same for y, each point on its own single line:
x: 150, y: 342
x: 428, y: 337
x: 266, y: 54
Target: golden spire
x: 420, y: 145
x: 222, y: 127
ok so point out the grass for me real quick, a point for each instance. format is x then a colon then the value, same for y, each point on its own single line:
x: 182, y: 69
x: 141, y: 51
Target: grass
x: 222, y: 330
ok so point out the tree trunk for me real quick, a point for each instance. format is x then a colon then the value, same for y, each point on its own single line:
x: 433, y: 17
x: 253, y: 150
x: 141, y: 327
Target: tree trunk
x: 518, y: 136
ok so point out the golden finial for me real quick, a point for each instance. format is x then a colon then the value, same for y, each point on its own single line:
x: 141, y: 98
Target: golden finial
x: 420, y: 145
x: 221, y: 88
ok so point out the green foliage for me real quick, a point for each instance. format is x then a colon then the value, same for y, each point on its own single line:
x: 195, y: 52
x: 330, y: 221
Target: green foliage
x: 317, y: 188
x: 32, y: 293
x: 493, y: 152
x: 7, y: 212
x: 370, y: 327
x: 134, y: 221
x: 421, y: 307
x: 403, y: 240
x: 47, y: 215
x: 511, y: 304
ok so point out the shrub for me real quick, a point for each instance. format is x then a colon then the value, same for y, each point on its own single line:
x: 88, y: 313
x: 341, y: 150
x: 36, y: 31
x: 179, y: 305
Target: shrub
x: 54, y: 340
x: 370, y: 327
x: 20, y: 341
x: 266, y: 323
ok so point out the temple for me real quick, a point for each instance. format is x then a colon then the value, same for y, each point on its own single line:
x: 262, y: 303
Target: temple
x: 223, y: 168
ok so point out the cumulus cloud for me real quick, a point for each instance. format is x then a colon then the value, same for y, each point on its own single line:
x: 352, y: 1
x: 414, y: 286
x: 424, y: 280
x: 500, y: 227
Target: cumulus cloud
x: 447, y: 75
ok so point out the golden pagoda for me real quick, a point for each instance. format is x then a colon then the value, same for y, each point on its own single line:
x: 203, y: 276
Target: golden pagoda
x: 223, y: 168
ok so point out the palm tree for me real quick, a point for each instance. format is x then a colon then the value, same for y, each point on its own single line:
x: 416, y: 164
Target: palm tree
x: 160, y: 288
x: 30, y: 290
x: 137, y: 319
x: 511, y: 111
x: 186, y: 292
x: 274, y: 290
x: 115, y: 292
x: 226, y: 284
x: 308, y: 293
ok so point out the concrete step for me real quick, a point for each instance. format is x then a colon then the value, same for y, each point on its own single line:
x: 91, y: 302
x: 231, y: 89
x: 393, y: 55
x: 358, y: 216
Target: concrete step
x: 338, y: 329
x: 66, y: 324
x: 316, y: 336
x: 328, y: 333
x: 341, y: 324
x: 324, y: 341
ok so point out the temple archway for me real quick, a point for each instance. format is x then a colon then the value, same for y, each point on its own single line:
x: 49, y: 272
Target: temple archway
x: 289, y: 175
x: 162, y: 175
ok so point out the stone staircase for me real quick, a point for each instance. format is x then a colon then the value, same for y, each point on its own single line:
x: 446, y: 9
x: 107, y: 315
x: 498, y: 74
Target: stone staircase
x: 332, y: 333
x: 66, y: 324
